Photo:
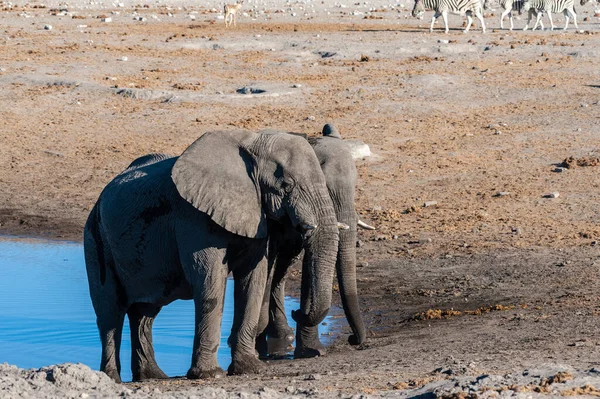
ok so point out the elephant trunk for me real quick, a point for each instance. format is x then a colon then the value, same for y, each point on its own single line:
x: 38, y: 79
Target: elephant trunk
x: 343, y: 200
x: 346, y: 274
x: 317, y: 268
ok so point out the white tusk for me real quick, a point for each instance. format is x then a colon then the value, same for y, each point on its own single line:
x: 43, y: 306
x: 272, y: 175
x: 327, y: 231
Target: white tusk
x: 307, y: 226
x: 343, y: 226
x: 365, y: 226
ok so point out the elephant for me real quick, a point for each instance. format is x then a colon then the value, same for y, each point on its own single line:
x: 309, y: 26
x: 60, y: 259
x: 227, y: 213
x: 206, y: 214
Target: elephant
x: 172, y: 228
x: 340, y: 173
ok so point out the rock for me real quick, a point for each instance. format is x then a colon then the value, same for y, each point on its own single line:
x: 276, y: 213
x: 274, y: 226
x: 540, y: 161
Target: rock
x: 290, y: 389
x: 107, y: 19
x: 47, y: 27
x: 377, y: 208
x: 502, y: 194
x: 362, y: 264
x: 313, y: 377
x: 123, y: 59
x: 359, y: 243
x: 429, y: 203
x: 555, y: 194
x: 559, y: 169
x: 358, y: 149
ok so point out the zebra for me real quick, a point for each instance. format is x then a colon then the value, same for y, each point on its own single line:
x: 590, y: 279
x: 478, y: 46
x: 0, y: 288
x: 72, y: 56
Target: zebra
x: 508, y: 6
x: 443, y: 7
x: 549, y: 6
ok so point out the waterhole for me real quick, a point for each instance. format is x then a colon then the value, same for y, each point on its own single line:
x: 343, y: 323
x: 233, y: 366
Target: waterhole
x: 46, y: 315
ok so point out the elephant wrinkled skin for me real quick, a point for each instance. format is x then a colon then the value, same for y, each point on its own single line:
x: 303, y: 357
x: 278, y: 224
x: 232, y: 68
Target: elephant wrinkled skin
x: 172, y: 228
x: 340, y: 173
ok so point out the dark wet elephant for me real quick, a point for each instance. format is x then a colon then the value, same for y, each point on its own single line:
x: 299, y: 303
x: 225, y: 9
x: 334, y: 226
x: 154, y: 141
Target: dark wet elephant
x: 172, y: 228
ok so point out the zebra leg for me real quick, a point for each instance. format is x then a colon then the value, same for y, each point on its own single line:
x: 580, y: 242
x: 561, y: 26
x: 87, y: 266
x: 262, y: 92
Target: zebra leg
x: 435, y: 16
x: 550, y: 18
x: 572, y: 12
x: 469, y: 22
x: 529, y: 16
x: 566, y: 14
x: 480, y: 18
x: 445, y: 18
x: 541, y: 23
x: 504, y: 14
x: 537, y: 20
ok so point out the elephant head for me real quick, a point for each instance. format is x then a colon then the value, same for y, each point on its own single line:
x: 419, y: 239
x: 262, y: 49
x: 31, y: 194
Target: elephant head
x: 240, y: 178
x: 340, y: 173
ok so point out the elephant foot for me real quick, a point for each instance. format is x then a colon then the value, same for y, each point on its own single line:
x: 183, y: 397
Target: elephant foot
x: 315, y: 350
x: 355, y: 340
x: 279, y: 347
x: 196, y: 373
x: 114, y: 374
x: 308, y: 343
x: 245, y: 364
x: 149, y: 373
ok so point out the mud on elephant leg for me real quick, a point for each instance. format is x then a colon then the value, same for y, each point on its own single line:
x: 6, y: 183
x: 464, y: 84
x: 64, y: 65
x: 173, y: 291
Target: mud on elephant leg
x: 143, y: 362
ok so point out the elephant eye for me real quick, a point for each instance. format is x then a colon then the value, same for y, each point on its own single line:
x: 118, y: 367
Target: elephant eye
x: 287, y: 186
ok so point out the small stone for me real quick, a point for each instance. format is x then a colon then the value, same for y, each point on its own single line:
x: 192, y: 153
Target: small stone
x: 516, y: 230
x: 359, y: 243
x: 123, y: 58
x: 395, y: 237
x: 429, y: 203
x: 497, y: 132
x: 381, y: 237
x: 377, y: 208
x: 48, y: 27
x: 296, y: 86
x: 312, y: 377
x: 555, y: 194
x: 84, y: 395
x: 425, y: 240
x: 363, y: 264
x: 311, y: 118
x: 290, y: 389
x: 559, y: 169
x: 444, y: 41
x: 107, y: 19
x: 502, y: 194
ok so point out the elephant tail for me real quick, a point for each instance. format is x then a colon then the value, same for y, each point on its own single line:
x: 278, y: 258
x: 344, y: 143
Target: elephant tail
x: 93, y: 244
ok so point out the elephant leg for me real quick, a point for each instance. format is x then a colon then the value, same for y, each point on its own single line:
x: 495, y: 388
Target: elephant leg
x: 208, y: 283
x: 307, y: 336
x: 143, y: 363
x: 280, y: 334
x: 250, y: 284
x: 105, y: 295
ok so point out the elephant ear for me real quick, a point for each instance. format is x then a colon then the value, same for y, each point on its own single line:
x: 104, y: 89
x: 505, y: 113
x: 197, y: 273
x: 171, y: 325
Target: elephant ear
x: 217, y: 175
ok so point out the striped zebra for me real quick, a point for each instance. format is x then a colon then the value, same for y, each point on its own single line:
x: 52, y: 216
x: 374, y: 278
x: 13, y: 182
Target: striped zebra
x: 508, y: 6
x: 443, y: 7
x: 549, y: 6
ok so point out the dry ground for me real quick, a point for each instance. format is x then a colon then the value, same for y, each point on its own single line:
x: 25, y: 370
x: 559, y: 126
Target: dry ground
x: 479, y: 282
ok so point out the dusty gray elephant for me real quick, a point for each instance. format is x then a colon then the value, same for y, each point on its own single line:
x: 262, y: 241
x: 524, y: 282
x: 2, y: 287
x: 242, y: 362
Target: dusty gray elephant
x: 340, y: 173
x: 172, y: 228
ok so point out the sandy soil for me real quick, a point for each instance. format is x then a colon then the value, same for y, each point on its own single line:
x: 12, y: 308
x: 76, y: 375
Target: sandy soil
x: 495, y: 277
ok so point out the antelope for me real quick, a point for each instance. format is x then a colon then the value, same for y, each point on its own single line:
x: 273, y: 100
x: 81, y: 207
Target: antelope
x: 230, y: 11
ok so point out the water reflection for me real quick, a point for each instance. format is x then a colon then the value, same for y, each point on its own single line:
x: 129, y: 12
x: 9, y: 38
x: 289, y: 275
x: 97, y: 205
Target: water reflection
x: 46, y: 316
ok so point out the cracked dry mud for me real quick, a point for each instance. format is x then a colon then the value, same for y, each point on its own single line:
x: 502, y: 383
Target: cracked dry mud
x: 476, y: 284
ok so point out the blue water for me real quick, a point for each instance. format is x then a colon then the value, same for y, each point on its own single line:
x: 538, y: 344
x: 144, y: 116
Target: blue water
x: 46, y: 315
